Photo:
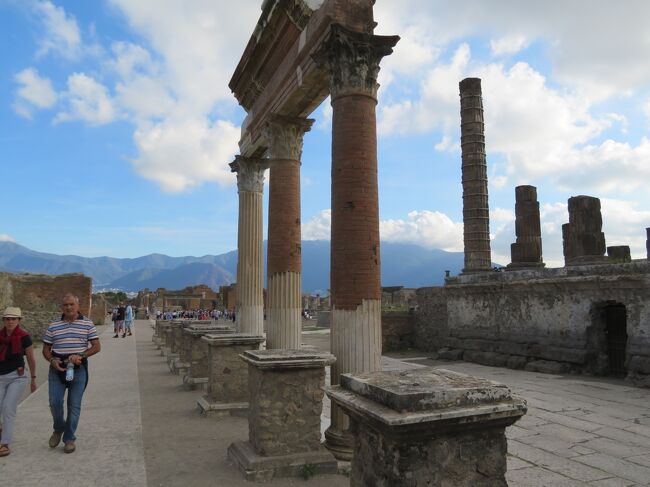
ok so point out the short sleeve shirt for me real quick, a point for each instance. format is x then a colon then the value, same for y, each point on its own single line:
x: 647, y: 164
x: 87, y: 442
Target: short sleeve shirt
x: 67, y: 337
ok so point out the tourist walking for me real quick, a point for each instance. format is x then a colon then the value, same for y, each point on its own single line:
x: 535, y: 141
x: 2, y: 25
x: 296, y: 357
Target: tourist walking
x: 128, y: 319
x: 15, y: 345
x: 67, y: 344
x: 119, y: 321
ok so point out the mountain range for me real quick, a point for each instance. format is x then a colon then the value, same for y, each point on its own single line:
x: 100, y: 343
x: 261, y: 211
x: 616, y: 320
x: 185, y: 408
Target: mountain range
x: 402, y: 265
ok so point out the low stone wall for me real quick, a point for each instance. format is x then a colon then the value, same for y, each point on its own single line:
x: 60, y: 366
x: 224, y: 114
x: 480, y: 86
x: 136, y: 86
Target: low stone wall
x: 39, y: 296
x: 547, y: 320
x: 397, y: 330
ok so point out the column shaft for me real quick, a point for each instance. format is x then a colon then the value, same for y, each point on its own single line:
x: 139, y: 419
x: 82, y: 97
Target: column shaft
x: 476, y: 214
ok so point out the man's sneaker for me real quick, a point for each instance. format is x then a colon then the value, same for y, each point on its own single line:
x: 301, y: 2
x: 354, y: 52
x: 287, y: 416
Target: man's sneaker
x: 69, y: 447
x: 123, y: 335
x: 115, y: 336
x: 55, y: 439
x: 130, y: 333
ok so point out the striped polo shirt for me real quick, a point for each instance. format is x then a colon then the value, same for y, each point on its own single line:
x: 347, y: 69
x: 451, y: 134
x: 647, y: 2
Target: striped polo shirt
x: 70, y: 337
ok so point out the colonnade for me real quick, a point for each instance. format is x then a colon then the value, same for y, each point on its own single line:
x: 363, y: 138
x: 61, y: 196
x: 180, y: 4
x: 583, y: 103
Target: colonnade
x: 351, y: 59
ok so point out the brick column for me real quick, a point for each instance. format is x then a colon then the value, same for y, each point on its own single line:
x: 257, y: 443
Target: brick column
x: 250, y: 265
x: 527, y: 250
x: 476, y: 214
x: 284, y: 267
x: 352, y: 60
x: 583, y: 239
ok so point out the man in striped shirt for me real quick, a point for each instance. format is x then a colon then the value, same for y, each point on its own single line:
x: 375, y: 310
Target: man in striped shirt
x: 72, y: 339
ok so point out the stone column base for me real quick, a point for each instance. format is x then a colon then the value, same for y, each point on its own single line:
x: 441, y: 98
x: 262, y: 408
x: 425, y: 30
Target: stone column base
x: 340, y: 443
x: 171, y: 357
x: 193, y: 383
x: 260, y: 468
x: 210, y: 408
x: 177, y: 367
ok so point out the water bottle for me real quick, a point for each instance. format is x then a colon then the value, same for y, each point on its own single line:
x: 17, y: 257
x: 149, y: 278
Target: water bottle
x: 69, y: 371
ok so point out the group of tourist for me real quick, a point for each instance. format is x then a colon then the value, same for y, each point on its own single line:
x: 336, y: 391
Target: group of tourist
x: 67, y: 344
x: 122, y: 318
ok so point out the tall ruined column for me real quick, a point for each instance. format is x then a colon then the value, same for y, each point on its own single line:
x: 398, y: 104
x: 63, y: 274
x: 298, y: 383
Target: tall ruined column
x: 352, y: 60
x: 527, y: 250
x: 583, y: 239
x: 284, y: 265
x: 250, y: 266
x: 476, y: 213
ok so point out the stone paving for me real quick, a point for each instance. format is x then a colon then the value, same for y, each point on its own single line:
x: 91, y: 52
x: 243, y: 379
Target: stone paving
x: 139, y: 427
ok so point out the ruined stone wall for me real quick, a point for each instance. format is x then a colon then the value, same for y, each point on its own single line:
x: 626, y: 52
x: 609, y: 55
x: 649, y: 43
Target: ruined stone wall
x: 397, y: 330
x: 39, y: 296
x: 98, y: 309
x: 547, y: 320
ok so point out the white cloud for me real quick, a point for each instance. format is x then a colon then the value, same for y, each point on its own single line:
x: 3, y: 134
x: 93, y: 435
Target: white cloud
x: 6, y: 238
x: 130, y: 58
x: 86, y: 100
x: 508, y: 45
x: 180, y: 154
x: 318, y: 228
x: 430, y: 229
x: 34, y: 92
x: 61, y: 33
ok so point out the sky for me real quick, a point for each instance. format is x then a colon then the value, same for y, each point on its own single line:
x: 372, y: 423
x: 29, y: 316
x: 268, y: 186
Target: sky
x: 117, y: 124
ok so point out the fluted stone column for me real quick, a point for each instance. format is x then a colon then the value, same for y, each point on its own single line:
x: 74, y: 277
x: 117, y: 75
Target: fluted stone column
x: 284, y: 264
x: 352, y: 60
x: 476, y: 213
x: 250, y: 270
x: 527, y: 250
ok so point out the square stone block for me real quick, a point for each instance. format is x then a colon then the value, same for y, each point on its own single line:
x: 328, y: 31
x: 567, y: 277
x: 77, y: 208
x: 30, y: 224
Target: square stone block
x: 227, y: 374
x: 431, y: 426
x: 286, y: 402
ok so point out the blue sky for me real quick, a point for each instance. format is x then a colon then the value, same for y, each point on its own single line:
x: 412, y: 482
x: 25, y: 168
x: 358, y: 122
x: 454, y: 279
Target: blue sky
x: 117, y: 124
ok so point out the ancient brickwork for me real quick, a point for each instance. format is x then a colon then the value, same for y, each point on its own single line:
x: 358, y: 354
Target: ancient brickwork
x: 39, y: 296
x: 549, y: 320
x: 527, y: 250
x: 476, y: 213
x: 397, y: 330
x: 583, y: 239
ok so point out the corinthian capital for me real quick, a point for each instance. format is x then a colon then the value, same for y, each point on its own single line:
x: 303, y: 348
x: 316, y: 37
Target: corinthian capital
x: 352, y: 59
x: 284, y: 136
x: 250, y: 173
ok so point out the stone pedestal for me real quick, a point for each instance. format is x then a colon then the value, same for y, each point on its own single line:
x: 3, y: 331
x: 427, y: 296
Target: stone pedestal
x: 619, y: 254
x: 476, y: 213
x: 157, y: 335
x: 286, y: 402
x: 227, y: 391
x: 526, y: 252
x: 165, y: 337
x: 427, y: 427
x: 189, y: 335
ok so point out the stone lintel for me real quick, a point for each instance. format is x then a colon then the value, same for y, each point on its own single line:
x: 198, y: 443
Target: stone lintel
x: 422, y: 401
x: 227, y: 339
x: 287, y: 359
x: 256, y: 467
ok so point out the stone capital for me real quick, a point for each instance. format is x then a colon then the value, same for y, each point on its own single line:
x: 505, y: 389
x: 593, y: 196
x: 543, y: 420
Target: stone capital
x: 352, y: 59
x: 250, y: 173
x: 284, y: 136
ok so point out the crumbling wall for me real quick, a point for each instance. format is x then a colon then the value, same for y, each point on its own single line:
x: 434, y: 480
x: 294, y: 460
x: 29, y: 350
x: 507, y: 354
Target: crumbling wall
x: 397, y: 330
x: 39, y: 296
x: 544, y: 320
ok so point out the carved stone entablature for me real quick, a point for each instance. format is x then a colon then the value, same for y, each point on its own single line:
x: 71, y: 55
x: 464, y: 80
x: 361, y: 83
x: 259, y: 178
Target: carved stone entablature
x: 284, y: 136
x: 298, y: 12
x: 255, y: 89
x: 250, y: 173
x: 352, y: 59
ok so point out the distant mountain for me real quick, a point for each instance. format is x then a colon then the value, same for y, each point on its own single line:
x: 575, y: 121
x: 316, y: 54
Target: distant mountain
x: 402, y: 265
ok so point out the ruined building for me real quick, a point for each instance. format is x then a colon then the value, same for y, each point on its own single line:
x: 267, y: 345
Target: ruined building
x: 590, y: 316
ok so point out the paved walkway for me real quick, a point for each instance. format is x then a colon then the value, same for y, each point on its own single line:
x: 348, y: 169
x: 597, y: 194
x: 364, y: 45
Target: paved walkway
x: 140, y: 428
